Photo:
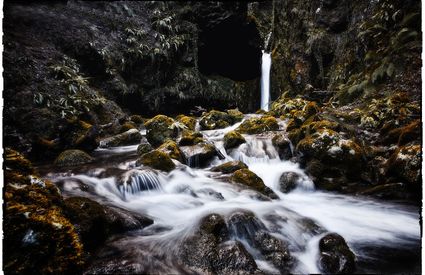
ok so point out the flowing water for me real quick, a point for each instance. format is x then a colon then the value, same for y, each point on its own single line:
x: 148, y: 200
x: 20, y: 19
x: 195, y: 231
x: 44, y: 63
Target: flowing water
x: 384, y: 236
x: 266, y: 63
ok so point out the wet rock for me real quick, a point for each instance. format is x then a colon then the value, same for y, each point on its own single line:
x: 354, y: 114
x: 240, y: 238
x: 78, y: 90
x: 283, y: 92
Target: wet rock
x: 215, y: 120
x: 72, y: 158
x: 288, y: 181
x: 405, y: 163
x: 229, y: 167
x: 233, y: 139
x: 335, y: 255
x: 251, y: 180
x: 233, y: 258
x: 17, y: 162
x: 244, y: 224
x: 191, y: 138
x: 211, y: 193
x: 159, y: 129
x: 235, y: 114
x: 283, y: 146
x: 129, y: 137
x: 121, y: 220
x: 137, y: 119
x: 200, y: 155
x: 157, y: 160
x: 127, y: 126
x: 189, y: 122
x: 144, y: 148
x: 138, y: 180
x: 274, y: 250
x: 172, y: 150
x: 258, y: 125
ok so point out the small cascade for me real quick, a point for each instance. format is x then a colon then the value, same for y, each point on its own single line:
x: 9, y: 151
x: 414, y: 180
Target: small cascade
x: 135, y: 181
x: 266, y: 62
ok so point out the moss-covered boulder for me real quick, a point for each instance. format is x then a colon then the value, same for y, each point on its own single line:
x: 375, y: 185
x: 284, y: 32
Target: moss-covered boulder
x: 172, y: 150
x: 128, y: 125
x: 129, y: 137
x: 296, y: 108
x: 335, y: 255
x: 215, y: 120
x: 188, y: 121
x: 72, y: 158
x: 250, y: 179
x: 157, y: 160
x: 235, y: 114
x: 405, y: 163
x: 201, y: 154
x: 38, y: 237
x: 229, y: 167
x: 160, y: 128
x: 233, y: 139
x: 191, y: 138
x: 258, y: 125
x: 137, y: 119
x: 144, y: 148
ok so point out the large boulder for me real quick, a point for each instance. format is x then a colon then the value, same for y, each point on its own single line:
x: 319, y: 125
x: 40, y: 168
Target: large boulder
x: 188, y: 121
x: 144, y: 148
x: 209, y: 250
x: 258, y: 125
x: 215, y: 120
x: 250, y: 179
x: 201, y: 154
x: 160, y: 128
x: 129, y: 137
x: 233, y: 139
x: 191, y: 138
x: 335, y: 255
x: 72, y: 158
x: 405, y: 163
x: 288, y: 181
x: 229, y: 167
x: 157, y: 160
x: 283, y: 146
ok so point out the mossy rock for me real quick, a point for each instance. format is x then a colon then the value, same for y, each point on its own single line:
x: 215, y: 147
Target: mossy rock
x: 137, y: 119
x: 188, y: 121
x: 72, y: 158
x: 233, y: 139
x: 128, y: 126
x: 14, y: 160
x: 34, y: 222
x: 157, y: 160
x: 229, y: 167
x: 215, y: 120
x: 318, y: 143
x: 144, y: 148
x: 129, y: 137
x: 191, y: 138
x: 250, y: 179
x: 172, y: 150
x: 235, y: 114
x: 159, y: 129
x: 258, y: 125
x: 405, y: 163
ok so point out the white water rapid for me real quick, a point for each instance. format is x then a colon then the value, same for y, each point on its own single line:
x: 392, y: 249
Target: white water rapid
x: 266, y: 62
x: 176, y: 201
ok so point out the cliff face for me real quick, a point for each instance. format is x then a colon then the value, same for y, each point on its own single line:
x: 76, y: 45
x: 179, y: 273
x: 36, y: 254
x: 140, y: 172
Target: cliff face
x: 89, y: 61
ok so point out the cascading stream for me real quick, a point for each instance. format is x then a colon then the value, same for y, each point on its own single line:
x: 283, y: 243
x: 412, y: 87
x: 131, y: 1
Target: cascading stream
x: 177, y: 201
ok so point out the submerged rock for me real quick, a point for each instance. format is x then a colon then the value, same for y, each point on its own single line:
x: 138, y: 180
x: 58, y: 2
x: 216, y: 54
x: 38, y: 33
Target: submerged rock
x: 201, y: 154
x: 258, y: 125
x: 129, y: 137
x: 335, y: 255
x: 159, y: 129
x: 229, y: 167
x: 233, y: 139
x: 72, y: 158
x: 157, y: 160
x: 288, y: 181
x: 251, y: 180
x: 283, y: 146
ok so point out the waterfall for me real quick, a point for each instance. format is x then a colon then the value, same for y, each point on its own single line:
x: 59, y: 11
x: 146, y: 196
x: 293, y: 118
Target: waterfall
x: 266, y: 63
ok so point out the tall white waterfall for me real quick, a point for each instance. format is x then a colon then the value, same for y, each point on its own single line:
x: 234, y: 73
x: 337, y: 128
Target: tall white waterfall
x: 266, y: 63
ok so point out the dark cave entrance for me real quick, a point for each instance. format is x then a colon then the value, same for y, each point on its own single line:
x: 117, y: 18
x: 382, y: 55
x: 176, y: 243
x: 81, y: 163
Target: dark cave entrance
x: 231, y: 49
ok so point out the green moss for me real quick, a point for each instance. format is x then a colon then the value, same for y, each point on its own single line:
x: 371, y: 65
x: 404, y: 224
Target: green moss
x: 190, y: 122
x: 233, y: 139
x: 191, y: 138
x: 250, y: 179
x: 229, y: 167
x: 127, y: 126
x: 172, y: 150
x: 258, y: 125
x: 215, y: 120
x: 157, y: 160
x: 72, y: 158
